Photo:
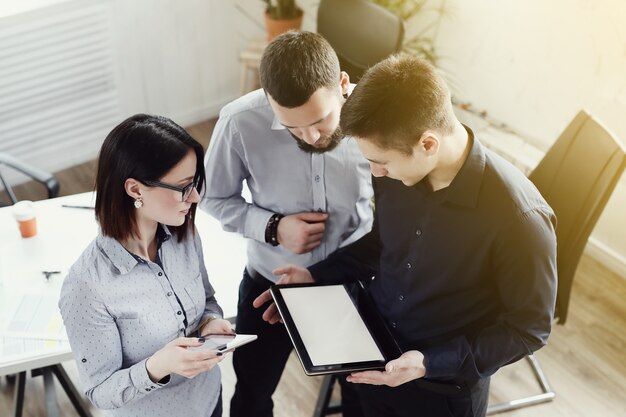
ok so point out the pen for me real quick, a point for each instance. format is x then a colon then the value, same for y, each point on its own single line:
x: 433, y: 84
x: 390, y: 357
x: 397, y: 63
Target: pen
x: 48, y: 273
x: 77, y: 207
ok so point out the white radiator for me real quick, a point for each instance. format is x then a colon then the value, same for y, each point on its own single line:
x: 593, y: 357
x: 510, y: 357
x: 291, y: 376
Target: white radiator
x: 58, y: 94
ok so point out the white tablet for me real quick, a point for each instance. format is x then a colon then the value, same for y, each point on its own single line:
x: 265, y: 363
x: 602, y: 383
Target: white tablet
x: 334, y: 328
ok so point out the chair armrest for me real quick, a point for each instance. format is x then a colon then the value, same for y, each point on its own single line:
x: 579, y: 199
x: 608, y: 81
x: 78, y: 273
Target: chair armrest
x: 45, y: 178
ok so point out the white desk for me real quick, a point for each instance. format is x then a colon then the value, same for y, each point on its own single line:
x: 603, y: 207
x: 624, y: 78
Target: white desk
x: 62, y: 235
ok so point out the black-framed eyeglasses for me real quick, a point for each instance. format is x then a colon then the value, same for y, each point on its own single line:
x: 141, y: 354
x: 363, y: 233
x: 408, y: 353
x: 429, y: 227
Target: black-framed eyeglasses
x: 185, y: 191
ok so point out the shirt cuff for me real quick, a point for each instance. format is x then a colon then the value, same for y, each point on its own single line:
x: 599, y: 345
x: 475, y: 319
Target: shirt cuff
x: 256, y: 221
x: 141, y: 380
x: 441, y: 361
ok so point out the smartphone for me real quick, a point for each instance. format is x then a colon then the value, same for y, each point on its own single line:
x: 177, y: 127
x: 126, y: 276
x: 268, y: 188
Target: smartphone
x: 224, y: 342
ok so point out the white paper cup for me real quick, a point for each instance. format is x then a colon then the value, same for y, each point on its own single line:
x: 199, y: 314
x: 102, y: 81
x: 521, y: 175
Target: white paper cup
x: 24, y: 214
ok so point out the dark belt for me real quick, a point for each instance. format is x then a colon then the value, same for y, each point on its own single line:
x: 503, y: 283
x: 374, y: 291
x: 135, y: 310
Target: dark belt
x: 258, y: 278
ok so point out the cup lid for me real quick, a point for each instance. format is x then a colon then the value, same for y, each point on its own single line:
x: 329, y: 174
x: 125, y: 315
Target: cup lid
x: 24, y: 210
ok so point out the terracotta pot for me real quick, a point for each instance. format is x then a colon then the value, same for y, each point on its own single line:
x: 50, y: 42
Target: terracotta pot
x: 276, y: 27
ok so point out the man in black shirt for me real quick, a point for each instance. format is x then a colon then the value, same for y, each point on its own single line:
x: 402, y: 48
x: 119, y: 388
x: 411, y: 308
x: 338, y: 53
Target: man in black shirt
x: 463, y: 249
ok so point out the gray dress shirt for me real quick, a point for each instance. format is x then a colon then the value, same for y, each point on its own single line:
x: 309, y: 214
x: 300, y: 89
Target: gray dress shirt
x: 119, y: 310
x: 249, y: 144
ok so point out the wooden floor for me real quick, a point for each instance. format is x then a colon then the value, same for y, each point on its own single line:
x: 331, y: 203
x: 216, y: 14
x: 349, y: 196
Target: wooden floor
x: 585, y: 359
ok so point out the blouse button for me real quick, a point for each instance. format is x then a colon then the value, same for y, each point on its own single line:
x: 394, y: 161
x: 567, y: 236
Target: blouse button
x: 401, y: 298
x: 160, y: 274
x: 408, y: 265
x: 418, y: 232
x: 169, y: 294
x: 83, y: 360
x: 179, y: 312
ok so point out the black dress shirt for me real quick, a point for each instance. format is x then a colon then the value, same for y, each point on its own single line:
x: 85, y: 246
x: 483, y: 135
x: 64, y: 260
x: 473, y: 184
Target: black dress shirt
x: 466, y: 274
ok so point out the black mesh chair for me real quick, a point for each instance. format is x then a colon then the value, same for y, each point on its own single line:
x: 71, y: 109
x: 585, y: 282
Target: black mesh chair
x: 576, y: 177
x: 361, y: 32
x: 48, y: 180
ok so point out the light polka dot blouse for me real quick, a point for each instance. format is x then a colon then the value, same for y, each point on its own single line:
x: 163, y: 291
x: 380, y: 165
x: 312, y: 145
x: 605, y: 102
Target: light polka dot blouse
x: 119, y: 309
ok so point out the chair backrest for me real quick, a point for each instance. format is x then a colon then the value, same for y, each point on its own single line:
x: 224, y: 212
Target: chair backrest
x: 576, y: 177
x: 362, y: 33
x: 43, y: 177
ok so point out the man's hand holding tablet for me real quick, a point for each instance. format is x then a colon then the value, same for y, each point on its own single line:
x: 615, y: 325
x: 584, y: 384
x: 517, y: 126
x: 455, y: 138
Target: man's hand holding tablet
x: 409, y: 366
x: 290, y: 274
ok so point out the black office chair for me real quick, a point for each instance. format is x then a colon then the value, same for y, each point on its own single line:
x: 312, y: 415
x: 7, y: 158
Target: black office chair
x: 47, y: 179
x: 361, y: 32
x: 576, y: 177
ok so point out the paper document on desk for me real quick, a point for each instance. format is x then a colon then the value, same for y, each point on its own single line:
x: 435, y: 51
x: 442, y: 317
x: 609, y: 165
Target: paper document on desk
x: 36, y: 316
x: 16, y: 348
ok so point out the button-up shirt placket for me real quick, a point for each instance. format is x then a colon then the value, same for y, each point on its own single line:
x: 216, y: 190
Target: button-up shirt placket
x: 318, y: 185
x: 172, y: 298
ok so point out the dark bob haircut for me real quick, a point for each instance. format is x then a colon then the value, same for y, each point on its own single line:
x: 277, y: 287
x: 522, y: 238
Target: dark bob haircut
x: 145, y: 148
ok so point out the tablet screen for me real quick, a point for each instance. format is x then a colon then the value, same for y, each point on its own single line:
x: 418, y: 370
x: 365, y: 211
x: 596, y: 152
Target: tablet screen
x: 330, y: 326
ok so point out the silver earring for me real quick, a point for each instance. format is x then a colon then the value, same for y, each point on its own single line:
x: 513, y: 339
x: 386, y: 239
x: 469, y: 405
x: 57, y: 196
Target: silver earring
x: 138, y: 202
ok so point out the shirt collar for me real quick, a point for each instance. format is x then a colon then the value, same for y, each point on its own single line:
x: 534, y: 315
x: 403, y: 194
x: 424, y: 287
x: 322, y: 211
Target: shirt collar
x: 465, y: 187
x: 122, y: 260
x: 163, y: 234
x: 276, y: 125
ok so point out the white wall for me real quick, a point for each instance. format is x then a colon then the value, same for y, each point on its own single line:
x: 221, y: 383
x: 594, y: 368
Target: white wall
x: 533, y: 64
x: 180, y: 58
x: 176, y: 58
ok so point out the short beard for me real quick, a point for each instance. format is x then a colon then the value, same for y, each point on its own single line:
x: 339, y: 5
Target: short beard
x: 333, y: 142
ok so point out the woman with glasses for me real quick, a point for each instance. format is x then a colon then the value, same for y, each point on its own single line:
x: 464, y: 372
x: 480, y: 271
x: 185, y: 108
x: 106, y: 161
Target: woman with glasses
x: 139, y: 291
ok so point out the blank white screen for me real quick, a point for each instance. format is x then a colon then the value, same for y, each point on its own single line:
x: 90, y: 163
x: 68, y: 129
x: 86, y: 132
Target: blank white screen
x: 330, y: 325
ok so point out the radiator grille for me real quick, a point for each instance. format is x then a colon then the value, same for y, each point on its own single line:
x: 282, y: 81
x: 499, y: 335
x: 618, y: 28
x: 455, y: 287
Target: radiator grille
x: 58, y: 94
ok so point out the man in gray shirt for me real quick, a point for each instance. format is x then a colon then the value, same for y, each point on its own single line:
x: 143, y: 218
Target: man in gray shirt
x: 310, y: 192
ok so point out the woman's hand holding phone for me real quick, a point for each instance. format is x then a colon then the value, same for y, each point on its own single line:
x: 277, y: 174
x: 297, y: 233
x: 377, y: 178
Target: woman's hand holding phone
x: 177, y: 358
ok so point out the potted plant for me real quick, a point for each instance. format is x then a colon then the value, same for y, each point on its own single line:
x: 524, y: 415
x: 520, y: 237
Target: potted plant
x: 281, y: 16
